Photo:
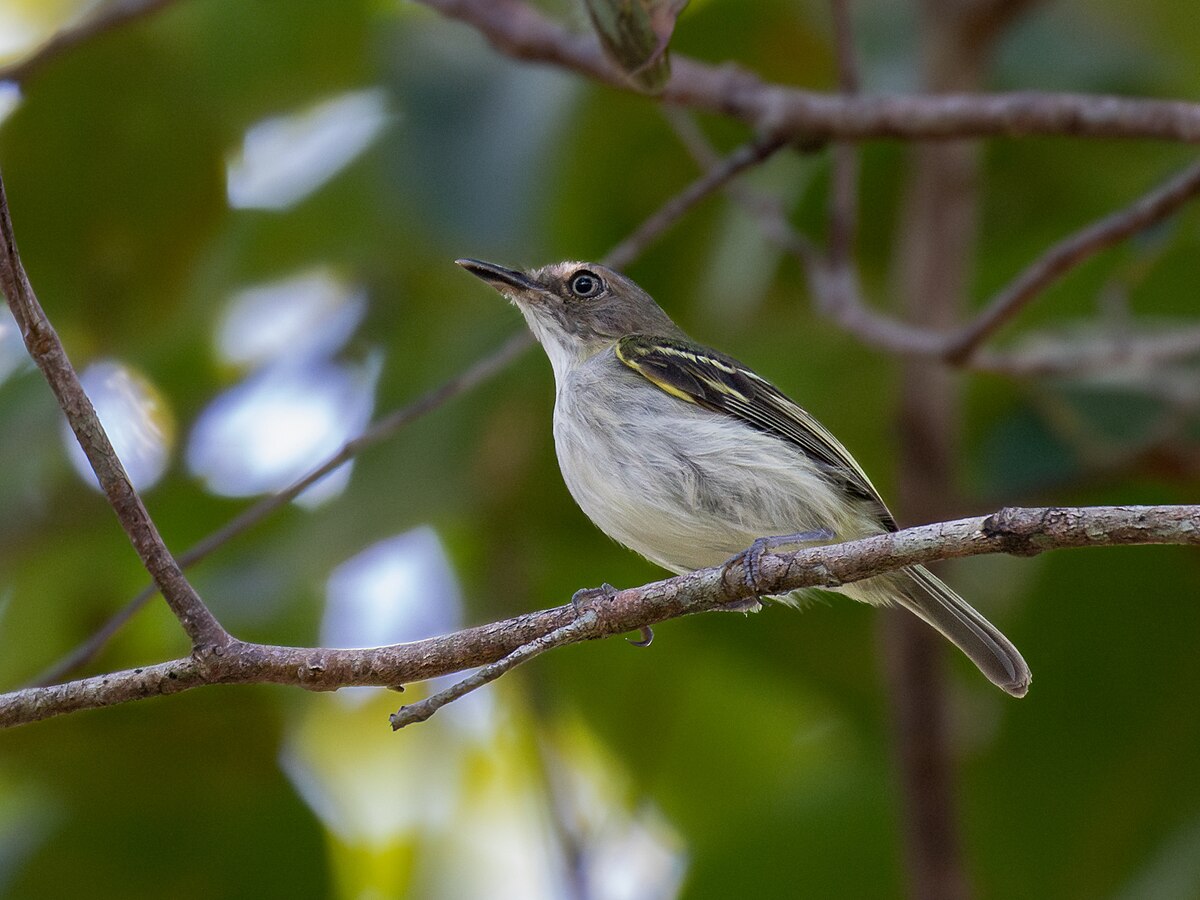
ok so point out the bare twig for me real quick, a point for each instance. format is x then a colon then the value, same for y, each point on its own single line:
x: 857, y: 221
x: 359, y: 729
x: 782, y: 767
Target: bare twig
x: 480, y: 371
x: 1049, y: 355
x: 1024, y: 532
x: 718, y: 175
x: 47, y: 351
x: 573, y: 631
x: 837, y: 293
x: 87, y: 649
x: 108, y: 17
x: 1069, y: 253
x: 517, y: 30
x: 834, y: 289
x: 767, y: 209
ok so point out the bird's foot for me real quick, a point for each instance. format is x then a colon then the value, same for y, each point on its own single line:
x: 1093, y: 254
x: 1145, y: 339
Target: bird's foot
x: 587, y: 596
x: 751, y: 558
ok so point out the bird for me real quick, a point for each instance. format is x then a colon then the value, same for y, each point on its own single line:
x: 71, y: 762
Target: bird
x: 691, y: 458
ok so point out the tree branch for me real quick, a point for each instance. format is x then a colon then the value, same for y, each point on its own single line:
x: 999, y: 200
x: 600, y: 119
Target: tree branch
x: 47, y: 351
x: 515, y: 29
x: 1069, y: 253
x: 837, y: 293
x: 575, y: 630
x: 1046, y: 354
x: 1024, y: 532
x: 934, y: 247
x: 719, y: 174
x: 474, y: 375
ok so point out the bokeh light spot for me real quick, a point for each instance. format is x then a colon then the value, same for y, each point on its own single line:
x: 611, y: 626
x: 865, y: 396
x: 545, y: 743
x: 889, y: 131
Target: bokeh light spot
x: 285, y: 158
x: 312, y: 313
x: 136, y: 417
x: 280, y: 423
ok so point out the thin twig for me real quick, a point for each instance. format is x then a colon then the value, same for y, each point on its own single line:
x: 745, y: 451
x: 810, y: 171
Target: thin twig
x: 1045, y: 354
x: 717, y: 176
x: 108, y: 17
x: 1024, y: 532
x: 567, y: 634
x: 766, y: 209
x: 474, y: 375
x: 838, y: 295
x: 835, y: 290
x: 516, y: 30
x: 1069, y: 253
x: 47, y: 351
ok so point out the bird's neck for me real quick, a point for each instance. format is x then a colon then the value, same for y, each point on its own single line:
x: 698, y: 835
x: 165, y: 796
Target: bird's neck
x: 565, y: 352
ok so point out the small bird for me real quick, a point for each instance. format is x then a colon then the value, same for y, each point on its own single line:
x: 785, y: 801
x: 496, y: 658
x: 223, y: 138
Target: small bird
x: 688, y: 457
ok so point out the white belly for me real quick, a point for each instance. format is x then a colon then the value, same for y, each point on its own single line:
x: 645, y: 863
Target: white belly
x: 683, y: 486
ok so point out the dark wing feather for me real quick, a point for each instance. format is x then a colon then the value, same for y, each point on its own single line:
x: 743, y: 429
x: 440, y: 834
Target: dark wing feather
x: 722, y: 384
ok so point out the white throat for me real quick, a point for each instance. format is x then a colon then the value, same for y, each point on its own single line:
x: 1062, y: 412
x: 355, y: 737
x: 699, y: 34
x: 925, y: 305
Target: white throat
x: 564, y: 354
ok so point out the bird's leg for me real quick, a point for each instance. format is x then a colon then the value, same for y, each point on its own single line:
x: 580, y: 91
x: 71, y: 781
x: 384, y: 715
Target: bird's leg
x: 751, y: 557
x: 606, y: 591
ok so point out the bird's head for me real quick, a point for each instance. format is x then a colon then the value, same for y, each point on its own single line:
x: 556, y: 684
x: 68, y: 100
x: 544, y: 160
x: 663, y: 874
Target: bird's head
x: 576, y: 309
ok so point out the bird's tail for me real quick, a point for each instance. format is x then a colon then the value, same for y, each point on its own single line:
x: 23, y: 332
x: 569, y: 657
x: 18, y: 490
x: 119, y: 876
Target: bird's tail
x: 922, y: 593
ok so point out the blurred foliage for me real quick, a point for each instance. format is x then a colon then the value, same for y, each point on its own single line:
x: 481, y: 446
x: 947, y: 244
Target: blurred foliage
x: 635, y: 35
x: 758, y: 744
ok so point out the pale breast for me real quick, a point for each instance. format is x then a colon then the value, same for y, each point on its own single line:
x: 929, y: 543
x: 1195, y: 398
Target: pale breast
x: 684, y: 486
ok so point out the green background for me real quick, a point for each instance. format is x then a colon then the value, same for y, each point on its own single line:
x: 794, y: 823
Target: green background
x: 760, y: 744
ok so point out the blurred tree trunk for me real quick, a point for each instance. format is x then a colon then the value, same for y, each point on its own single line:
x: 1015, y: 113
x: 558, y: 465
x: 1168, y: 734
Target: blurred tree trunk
x: 934, y: 257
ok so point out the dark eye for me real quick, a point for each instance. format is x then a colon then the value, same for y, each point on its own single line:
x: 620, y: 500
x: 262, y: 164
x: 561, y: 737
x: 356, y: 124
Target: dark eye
x: 584, y: 284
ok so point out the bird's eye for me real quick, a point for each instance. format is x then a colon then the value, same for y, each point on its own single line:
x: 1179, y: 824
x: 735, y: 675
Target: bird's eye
x: 584, y: 284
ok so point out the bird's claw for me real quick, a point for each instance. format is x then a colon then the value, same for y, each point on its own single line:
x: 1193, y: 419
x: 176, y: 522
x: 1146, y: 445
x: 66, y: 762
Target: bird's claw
x: 587, y: 596
x: 751, y: 558
x: 646, y: 639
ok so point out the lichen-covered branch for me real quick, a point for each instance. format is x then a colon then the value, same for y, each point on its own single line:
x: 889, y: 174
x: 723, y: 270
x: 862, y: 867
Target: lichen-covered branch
x: 1019, y: 531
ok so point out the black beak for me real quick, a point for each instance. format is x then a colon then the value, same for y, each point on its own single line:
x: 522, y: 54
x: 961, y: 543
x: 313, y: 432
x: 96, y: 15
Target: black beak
x: 498, y: 276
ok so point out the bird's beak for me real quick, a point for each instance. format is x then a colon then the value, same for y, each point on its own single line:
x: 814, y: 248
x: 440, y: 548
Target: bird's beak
x: 498, y: 276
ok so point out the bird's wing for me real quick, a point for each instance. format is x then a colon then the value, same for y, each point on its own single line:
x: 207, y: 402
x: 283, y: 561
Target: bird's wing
x: 720, y: 383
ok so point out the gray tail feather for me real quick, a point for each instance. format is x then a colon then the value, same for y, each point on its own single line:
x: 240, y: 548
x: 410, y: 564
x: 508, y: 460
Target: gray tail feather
x: 925, y: 595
